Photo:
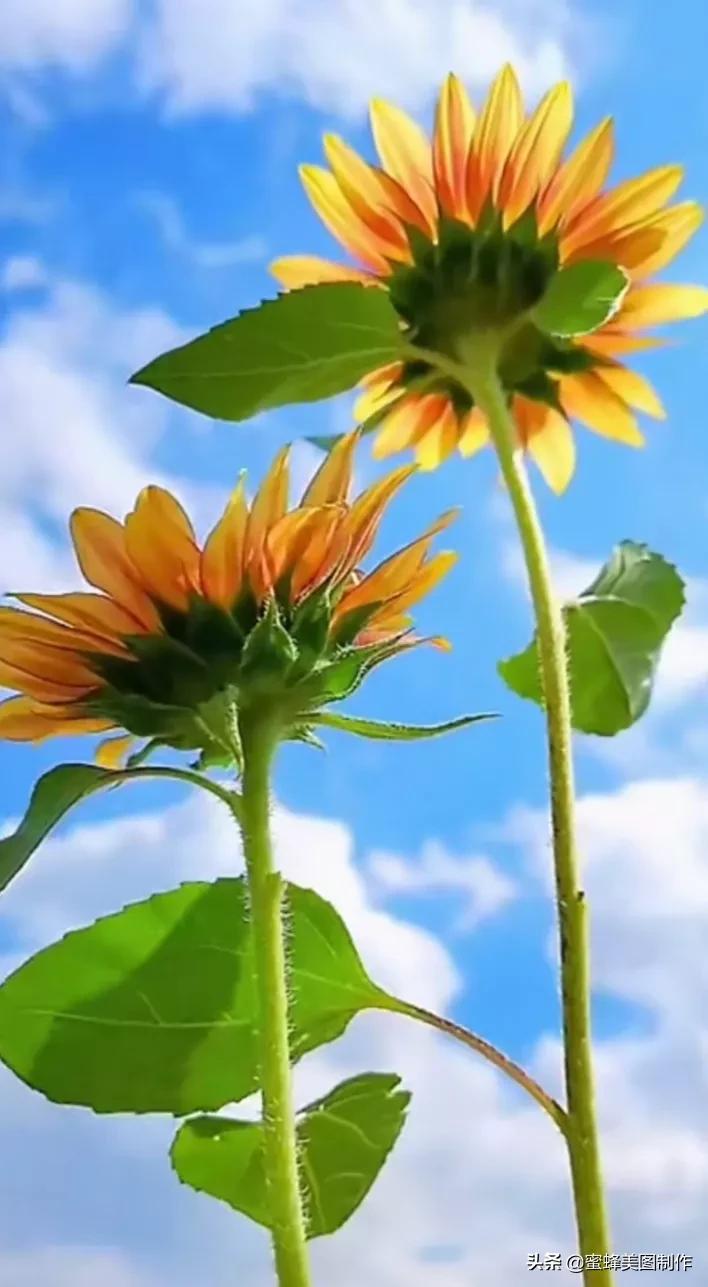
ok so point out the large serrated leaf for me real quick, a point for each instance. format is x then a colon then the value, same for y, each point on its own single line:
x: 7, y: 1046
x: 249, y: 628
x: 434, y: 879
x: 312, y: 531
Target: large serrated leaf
x: 615, y: 631
x: 301, y: 347
x: 65, y: 786
x: 580, y: 298
x: 155, y: 1009
x: 344, y: 1139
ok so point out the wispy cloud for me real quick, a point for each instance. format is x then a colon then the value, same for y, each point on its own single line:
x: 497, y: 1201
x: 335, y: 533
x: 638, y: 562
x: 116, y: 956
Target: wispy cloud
x: 167, y: 217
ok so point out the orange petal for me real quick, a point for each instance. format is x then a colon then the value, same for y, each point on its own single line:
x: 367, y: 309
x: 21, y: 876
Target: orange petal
x: 393, y: 576
x: 406, y: 155
x: 536, y: 152
x: 337, y: 215
x: 610, y: 343
x: 331, y: 483
x: 322, y: 548
x: 405, y: 425
x: 626, y: 204
x: 633, y: 389
x: 57, y: 665
x: 496, y: 131
x: 454, y: 127
x: 362, y: 521
x: 29, y: 628
x: 426, y: 580
x: 162, y: 546
x: 100, y: 545
x: 366, y: 193
x: 92, y: 612
x: 586, y: 398
x: 38, y: 687
x: 222, y: 556
x: 475, y: 433
x: 23, y: 720
x: 654, y: 305
x: 112, y: 753
x: 294, y: 271
x: 579, y: 180
x: 439, y: 441
x: 269, y: 505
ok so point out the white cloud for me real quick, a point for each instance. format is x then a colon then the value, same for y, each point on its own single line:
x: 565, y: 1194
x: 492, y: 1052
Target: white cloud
x: 482, y: 889
x: 74, y: 35
x: 211, y: 54
x: 22, y: 272
x: 167, y: 216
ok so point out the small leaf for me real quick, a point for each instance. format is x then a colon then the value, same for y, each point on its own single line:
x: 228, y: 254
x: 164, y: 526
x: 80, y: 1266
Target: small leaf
x: 615, y: 631
x: 154, y: 1009
x: 344, y: 1141
x: 580, y: 298
x: 301, y: 347
x: 381, y: 730
x: 65, y: 786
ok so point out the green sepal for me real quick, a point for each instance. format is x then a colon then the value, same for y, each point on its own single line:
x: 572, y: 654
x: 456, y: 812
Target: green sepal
x: 385, y: 731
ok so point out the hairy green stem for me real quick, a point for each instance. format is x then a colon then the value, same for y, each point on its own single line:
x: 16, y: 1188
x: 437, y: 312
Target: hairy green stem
x: 259, y: 740
x: 481, y: 379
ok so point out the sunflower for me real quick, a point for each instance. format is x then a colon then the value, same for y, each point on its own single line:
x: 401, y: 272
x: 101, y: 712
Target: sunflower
x: 274, y: 609
x: 469, y: 231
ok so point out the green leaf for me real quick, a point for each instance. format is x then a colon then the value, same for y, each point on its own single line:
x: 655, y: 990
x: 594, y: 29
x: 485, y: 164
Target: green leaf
x: 381, y: 730
x: 615, y: 631
x: 301, y: 347
x: 59, y: 790
x: 581, y: 298
x: 154, y: 1009
x: 344, y: 1141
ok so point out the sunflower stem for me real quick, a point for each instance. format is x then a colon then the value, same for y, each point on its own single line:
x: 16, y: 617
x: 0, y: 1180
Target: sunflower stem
x: 259, y: 739
x: 481, y: 379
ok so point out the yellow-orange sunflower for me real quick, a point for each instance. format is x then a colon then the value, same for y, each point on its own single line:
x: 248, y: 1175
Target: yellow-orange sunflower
x: 273, y: 608
x: 440, y: 224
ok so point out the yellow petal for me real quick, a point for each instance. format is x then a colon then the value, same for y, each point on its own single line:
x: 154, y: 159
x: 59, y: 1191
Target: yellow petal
x: 405, y: 154
x: 380, y: 388
x: 654, y: 305
x: 321, y: 548
x: 161, y: 545
x: 331, y: 483
x: 439, y: 441
x: 92, y: 612
x: 392, y: 577
x: 294, y: 271
x: 426, y: 580
x: 112, y: 753
x: 222, y: 556
x: 536, y: 152
x: 496, y: 131
x: 549, y: 440
x: 454, y: 127
x: 626, y: 204
x: 678, y: 224
x: 633, y: 389
x: 586, y: 398
x: 24, y: 720
x: 102, y: 555
x: 579, y: 180
x: 474, y: 435
x: 337, y: 215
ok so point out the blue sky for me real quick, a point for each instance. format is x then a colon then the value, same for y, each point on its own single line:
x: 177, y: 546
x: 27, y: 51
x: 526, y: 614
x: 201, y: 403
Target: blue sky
x: 148, y: 172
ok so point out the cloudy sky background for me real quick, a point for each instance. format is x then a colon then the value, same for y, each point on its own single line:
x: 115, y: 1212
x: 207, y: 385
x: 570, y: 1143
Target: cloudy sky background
x: 147, y: 175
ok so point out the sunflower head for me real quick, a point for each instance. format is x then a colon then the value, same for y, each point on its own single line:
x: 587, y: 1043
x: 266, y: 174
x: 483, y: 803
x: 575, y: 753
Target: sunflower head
x: 273, y: 613
x: 467, y: 232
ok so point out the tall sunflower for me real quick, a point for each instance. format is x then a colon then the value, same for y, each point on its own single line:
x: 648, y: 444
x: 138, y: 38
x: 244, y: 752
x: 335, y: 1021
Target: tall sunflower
x: 470, y: 229
x: 274, y: 609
